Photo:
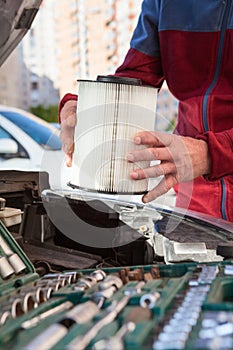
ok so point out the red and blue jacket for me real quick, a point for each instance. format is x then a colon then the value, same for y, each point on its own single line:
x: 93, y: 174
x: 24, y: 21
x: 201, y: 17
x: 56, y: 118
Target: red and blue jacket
x: 189, y: 43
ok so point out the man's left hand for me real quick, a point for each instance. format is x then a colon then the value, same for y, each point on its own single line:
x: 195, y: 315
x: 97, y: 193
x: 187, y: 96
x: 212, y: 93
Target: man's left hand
x: 181, y: 159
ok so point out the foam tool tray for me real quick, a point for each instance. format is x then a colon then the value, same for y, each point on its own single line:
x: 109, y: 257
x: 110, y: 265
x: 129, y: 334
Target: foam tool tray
x: 178, y: 306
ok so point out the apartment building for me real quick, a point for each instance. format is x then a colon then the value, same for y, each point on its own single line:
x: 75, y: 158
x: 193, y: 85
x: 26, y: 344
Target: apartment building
x: 70, y: 40
x: 93, y: 37
x: 40, y: 57
x: 14, y: 87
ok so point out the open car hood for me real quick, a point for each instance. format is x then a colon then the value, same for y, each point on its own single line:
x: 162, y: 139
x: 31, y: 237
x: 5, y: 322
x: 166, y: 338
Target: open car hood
x: 113, y: 228
x: 16, y: 18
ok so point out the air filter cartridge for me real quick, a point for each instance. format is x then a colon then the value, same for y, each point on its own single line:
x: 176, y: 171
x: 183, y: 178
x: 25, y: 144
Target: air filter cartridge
x: 111, y: 110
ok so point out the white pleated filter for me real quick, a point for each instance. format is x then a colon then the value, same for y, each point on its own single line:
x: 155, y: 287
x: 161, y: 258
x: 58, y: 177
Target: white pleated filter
x: 108, y: 117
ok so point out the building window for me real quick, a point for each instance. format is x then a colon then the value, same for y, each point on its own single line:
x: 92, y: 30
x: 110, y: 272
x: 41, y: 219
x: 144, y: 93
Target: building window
x: 34, y: 85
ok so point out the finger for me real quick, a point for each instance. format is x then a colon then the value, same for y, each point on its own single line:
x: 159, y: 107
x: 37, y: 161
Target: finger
x: 69, y: 120
x: 67, y: 139
x: 68, y: 146
x: 164, y: 168
x: 68, y: 159
x: 153, y: 139
x: 68, y: 114
x: 68, y: 150
x: 163, y: 187
x: 149, y: 154
x: 67, y: 134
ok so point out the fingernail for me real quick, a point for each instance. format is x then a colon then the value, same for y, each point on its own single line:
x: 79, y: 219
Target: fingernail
x: 145, y: 199
x: 134, y: 175
x: 130, y: 157
x: 68, y: 160
x: 137, y: 140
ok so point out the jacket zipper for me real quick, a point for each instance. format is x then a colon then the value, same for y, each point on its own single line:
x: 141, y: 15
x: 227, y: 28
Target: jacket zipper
x: 227, y: 5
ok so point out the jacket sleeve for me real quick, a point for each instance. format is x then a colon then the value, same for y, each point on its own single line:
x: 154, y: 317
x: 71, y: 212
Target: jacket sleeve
x: 220, y: 146
x: 141, y: 66
x: 143, y: 59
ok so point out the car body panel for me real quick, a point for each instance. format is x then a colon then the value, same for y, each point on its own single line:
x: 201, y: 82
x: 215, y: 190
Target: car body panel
x: 32, y: 156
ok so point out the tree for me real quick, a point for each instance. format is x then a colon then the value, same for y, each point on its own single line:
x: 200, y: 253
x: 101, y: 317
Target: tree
x: 50, y: 113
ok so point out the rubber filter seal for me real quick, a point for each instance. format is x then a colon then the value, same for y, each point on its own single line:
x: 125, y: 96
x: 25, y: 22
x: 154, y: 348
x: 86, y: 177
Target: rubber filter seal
x: 118, y: 80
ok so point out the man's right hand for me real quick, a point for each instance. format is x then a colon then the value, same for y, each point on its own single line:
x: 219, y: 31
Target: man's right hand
x: 68, y: 122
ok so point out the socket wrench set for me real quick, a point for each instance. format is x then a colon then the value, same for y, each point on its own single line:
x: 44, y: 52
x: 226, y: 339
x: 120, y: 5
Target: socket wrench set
x: 177, y: 306
x: 149, y: 287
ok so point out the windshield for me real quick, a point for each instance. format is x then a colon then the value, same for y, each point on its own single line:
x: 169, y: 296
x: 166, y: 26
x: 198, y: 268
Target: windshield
x: 44, y: 135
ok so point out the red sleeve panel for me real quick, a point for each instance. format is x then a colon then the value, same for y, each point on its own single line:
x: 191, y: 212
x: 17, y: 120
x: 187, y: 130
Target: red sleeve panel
x: 141, y: 66
x: 221, y: 151
x: 136, y: 65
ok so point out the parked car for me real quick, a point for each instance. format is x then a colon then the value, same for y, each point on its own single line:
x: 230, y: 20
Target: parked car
x: 56, y: 125
x: 29, y: 143
x: 26, y: 142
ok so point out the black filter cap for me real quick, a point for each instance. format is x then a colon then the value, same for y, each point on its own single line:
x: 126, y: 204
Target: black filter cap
x: 118, y: 80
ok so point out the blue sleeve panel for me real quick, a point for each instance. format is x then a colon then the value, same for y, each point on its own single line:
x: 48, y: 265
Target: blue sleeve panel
x: 176, y: 15
x: 145, y: 37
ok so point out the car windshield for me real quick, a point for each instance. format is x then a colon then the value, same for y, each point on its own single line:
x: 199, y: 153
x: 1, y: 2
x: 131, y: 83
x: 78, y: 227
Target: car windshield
x: 37, y: 129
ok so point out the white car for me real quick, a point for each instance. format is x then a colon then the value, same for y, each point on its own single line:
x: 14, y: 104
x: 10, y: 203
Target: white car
x: 29, y: 143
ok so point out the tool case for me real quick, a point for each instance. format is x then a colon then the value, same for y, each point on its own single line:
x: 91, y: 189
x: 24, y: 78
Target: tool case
x: 55, y: 294
x: 177, y: 306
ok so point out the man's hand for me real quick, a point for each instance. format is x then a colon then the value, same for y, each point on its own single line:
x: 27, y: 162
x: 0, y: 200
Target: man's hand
x: 182, y: 159
x: 68, y: 122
